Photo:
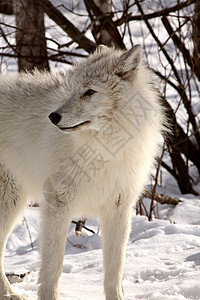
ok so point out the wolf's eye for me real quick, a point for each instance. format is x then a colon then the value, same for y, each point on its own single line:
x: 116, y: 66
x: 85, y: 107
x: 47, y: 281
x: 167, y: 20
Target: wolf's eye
x: 89, y: 92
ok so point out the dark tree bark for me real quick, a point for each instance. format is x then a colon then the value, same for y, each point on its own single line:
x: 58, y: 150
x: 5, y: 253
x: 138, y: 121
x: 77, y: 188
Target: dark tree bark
x: 104, y: 29
x: 101, y: 35
x: 196, y: 36
x: 6, y: 7
x: 178, y: 143
x: 73, y: 32
x: 30, y: 36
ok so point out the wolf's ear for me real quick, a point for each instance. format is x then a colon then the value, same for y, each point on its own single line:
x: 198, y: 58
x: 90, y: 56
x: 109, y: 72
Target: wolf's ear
x: 102, y: 49
x: 129, y: 62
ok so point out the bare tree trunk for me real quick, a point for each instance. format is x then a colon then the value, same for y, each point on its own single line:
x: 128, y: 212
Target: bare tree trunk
x: 196, y: 36
x: 104, y: 36
x: 30, y: 36
x: 104, y: 29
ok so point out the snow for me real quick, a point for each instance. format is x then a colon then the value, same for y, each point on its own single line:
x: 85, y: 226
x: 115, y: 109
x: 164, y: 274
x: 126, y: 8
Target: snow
x: 162, y: 261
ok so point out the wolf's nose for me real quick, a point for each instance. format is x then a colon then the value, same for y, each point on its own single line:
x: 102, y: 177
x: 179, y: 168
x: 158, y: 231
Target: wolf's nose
x: 55, y: 118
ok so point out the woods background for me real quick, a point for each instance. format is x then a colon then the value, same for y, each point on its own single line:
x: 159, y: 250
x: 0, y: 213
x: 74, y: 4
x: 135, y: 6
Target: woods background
x: 42, y: 34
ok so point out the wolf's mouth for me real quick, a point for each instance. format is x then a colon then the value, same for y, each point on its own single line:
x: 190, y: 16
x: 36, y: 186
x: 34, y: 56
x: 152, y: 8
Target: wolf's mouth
x: 75, y: 127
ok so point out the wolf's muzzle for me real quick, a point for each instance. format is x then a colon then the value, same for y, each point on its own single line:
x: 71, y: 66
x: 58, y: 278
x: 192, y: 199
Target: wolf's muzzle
x: 55, y: 118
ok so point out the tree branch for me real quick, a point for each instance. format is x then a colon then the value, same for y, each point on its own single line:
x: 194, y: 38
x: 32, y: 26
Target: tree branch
x: 50, y: 57
x: 180, y: 88
x: 162, y: 199
x: 106, y: 23
x: 160, y: 13
x: 73, y: 32
x: 79, y: 230
x: 180, y: 45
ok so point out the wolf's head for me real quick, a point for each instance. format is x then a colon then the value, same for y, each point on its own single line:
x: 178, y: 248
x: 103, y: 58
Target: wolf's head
x: 96, y: 86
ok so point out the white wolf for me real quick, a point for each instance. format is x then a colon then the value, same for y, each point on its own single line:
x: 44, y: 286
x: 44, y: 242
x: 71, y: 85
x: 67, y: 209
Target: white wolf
x: 94, y: 161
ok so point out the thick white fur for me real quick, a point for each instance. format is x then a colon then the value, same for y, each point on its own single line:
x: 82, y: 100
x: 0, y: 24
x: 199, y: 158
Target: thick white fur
x: 99, y: 168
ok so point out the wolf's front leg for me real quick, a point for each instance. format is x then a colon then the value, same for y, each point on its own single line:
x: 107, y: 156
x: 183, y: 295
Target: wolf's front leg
x: 56, y: 221
x: 115, y: 223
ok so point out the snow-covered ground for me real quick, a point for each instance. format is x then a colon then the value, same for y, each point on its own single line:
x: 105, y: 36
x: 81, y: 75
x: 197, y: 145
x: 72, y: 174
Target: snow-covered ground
x: 162, y: 262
